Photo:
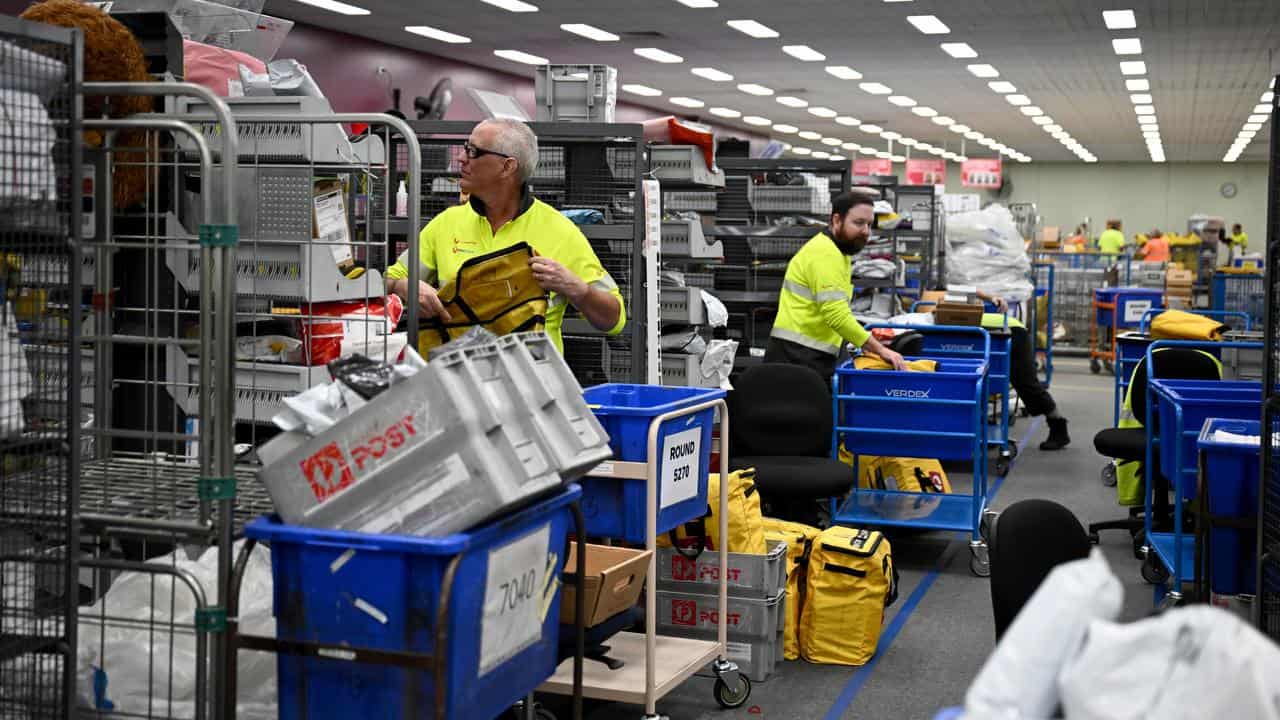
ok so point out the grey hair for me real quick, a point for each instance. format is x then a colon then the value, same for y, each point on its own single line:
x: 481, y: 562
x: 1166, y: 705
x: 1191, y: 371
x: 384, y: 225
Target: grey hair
x: 517, y: 140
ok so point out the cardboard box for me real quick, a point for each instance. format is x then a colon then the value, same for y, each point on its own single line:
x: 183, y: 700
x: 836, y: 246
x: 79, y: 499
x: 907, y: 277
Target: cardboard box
x: 615, y: 577
x: 1176, y: 276
x: 1049, y: 235
x: 950, y: 313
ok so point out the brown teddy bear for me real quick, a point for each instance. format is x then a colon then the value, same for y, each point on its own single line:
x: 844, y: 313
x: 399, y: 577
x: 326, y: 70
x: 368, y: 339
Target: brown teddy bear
x: 111, y: 54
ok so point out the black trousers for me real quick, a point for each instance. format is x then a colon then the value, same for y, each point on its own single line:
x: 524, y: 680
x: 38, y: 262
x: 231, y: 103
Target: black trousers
x: 1022, y: 374
x: 785, y: 351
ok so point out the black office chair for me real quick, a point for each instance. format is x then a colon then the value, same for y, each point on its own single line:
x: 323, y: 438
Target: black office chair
x: 1026, y: 541
x: 780, y: 423
x: 1130, y: 444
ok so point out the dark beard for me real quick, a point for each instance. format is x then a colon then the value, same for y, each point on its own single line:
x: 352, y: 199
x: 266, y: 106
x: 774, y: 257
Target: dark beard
x: 851, y: 248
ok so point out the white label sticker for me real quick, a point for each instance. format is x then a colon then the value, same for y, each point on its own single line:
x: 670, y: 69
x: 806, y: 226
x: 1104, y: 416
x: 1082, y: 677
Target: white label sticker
x: 681, y: 453
x: 604, y: 469
x: 513, y: 598
x: 1135, y: 309
x: 739, y: 651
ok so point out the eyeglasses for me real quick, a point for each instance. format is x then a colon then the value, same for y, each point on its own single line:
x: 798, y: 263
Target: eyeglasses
x: 474, y: 152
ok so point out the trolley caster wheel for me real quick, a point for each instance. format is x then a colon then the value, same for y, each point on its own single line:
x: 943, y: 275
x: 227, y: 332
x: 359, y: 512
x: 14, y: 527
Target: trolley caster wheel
x: 1140, y: 549
x: 1013, y: 449
x: 1002, y: 465
x: 1109, y: 475
x: 1152, y: 571
x: 1094, y: 539
x: 1110, y: 369
x: 730, y: 698
x: 1170, y: 601
x: 979, y: 560
x: 984, y: 525
x: 1095, y: 366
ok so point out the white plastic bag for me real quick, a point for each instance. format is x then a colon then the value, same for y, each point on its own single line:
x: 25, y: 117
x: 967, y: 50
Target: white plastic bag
x: 718, y: 360
x: 717, y: 313
x: 125, y: 667
x: 986, y: 249
x: 15, y: 376
x: 290, y: 77
x: 1190, y: 663
x: 1020, y: 679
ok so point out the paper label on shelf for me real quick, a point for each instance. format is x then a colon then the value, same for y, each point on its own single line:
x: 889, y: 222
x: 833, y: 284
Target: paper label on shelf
x: 604, y: 469
x: 739, y: 651
x: 681, y: 456
x: 1135, y: 309
x: 513, y: 601
x: 331, y: 225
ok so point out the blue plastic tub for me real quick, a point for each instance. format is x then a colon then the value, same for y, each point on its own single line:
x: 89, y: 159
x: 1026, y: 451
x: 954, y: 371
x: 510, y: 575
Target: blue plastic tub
x: 1131, y: 303
x: 1198, y: 400
x: 914, y: 414
x: 957, y: 344
x: 1232, y: 473
x: 615, y: 508
x: 382, y: 592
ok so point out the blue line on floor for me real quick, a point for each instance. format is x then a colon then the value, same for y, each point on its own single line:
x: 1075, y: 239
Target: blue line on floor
x: 862, y: 674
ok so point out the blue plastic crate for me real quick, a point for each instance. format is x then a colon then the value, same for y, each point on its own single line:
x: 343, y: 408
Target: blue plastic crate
x: 615, y: 507
x: 914, y: 414
x: 383, y: 592
x: 1232, y: 473
x: 1131, y: 303
x: 961, y: 344
x: 1198, y: 401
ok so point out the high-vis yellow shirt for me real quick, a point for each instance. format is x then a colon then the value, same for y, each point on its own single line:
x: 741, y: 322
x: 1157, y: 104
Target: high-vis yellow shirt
x: 813, y: 307
x: 463, y: 232
x: 1111, y: 241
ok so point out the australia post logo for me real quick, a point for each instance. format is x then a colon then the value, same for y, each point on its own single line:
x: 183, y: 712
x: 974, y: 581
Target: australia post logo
x: 685, y: 570
x: 687, y: 613
x: 328, y: 471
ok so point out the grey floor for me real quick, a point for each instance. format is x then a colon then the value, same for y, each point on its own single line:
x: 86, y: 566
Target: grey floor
x: 928, y: 657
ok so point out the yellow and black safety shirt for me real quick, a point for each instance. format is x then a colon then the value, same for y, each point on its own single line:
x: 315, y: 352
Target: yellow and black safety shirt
x: 813, y: 307
x: 463, y: 232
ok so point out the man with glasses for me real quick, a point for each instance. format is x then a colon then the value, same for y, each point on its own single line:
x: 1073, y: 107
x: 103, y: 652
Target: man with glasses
x: 814, y: 318
x: 500, y: 157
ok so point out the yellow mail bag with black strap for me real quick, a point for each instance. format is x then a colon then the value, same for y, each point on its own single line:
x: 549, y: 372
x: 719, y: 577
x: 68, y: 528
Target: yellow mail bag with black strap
x: 799, y: 539
x: 1181, y: 325
x: 495, y: 291
x: 746, y: 528
x: 850, y: 581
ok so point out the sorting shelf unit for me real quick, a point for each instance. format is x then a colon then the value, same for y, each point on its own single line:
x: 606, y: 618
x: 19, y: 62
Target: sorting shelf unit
x: 761, y: 225
x: 923, y: 239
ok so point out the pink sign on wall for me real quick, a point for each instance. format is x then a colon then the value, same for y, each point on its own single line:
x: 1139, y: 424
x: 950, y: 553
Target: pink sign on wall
x: 985, y: 173
x: 927, y: 172
x: 872, y: 166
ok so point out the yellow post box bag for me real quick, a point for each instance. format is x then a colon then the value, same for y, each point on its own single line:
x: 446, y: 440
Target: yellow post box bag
x: 496, y: 291
x: 799, y: 539
x: 746, y: 528
x: 851, y: 580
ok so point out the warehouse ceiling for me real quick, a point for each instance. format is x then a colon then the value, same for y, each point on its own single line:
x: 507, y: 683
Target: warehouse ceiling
x: 1208, y: 65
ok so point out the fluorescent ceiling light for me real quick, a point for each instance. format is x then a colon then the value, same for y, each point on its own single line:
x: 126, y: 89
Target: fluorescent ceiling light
x: 928, y: 24
x: 1119, y: 19
x: 687, y: 102
x: 984, y: 71
x: 1259, y: 118
x: 1127, y: 46
x: 962, y: 129
x: 1133, y: 67
x: 924, y: 111
x: 786, y: 146
x: 1144, y: 109
x: 1042, y: 120
x: 1061, y: 135
x: 1002, y: 86
x: 1262, y: 109
x: 792, y: 102
x: 821, y: 154
x: 848, y: 121
x: 712, y: 74
x: 897, y: 158
x: 437, y: 34
x: 867, y: 151
x: 810, y: 135
x: 801, y: 151
x: 521, y: 57
x: 803, y: 53
x: 1152, y: 135
x: 753, y: 28
x: 833, y: 142
x: 973, y: 135
x: 884, y: 155
x: 726, y: 113
x: 589, y: 32
x: 851, y: 146
x: 339, y: 7
x: 871, y: 129
x: 936, y: 151
x: 875, y: 88
x: 838, y: 158
x: 1248, y: 134
x: 1031, y: 111
x: 1137, y: 85
x: 844, y: 72
x: 786, y: 129
x: 944, y: 121
x: 909, y: 142
x: 642, y: 90
x: 1017, y: 99
x: 754, y: 89
x: 890, y: 135
x: 756, y: 120
x: 962, y: 158
x: 658, y: 55
x: 902, y: 101
x: 515, y: 6
x: 960, y: 51
x: 822, y: 112
x: 699, y: 3
x: 1053, y: 128
x: 1267, y: 97
x: 1140, y: 99
x: 1147, y: 120
x: 1252, y: 126
x: 987, y: 142
x: 923, y: 146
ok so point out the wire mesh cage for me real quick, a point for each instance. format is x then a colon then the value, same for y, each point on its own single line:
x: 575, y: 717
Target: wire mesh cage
x: 40, y: 414
x: 1268, y: 547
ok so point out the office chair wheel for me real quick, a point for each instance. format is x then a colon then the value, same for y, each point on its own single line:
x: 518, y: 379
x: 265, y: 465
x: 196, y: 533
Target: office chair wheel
x: 1152, y: 571
x: 1002, y: 466
x: 1094, y: 538
x: 1140, y: 544
x: 1109, y: 475
x: 1013, y: 449
x: 1095, y: 366
x: 539, y: 712
x: 730, y: 698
